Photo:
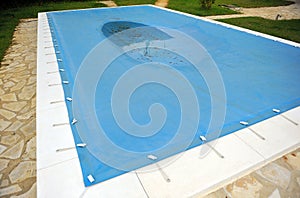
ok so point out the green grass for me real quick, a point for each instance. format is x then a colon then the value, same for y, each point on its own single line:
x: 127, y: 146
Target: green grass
x: 193, y: 7
x: 288, y: 29
x: 133, y: 2
x: 9, y: 19
x: 253, y: 3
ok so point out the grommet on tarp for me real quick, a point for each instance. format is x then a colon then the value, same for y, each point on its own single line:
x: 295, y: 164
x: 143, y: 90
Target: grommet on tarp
x: 244, y: 123
x: 59, y: 60
x: 91, y: 178
x: 202, y: 138
x: 81, y: 145
x: 152, y: 157
x: 69, y: 99
x: 57, y: 52
x: 276, y: 110
x: 65, y: 82
x: 61, y: 70
x: 74, y: 121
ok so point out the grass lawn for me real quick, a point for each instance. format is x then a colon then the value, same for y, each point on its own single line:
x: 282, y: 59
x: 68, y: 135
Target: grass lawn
x: 133, y: 2
x: 9, y: 19
x: 253, y: 3
x: 194, y: 7
x: 288, y: 29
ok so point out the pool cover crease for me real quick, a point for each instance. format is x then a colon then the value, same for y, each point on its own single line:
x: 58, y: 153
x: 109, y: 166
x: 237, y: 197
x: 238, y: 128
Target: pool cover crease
x: 146, y: 83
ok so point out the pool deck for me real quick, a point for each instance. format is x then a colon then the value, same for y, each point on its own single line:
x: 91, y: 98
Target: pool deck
x: 190, y: 175
x: 278, y: 178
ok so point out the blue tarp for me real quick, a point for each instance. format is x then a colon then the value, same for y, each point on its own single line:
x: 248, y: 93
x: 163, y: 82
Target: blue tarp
x: 147, y: 81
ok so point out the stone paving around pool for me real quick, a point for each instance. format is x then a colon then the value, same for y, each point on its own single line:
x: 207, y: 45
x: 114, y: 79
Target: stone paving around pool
x: 162, y: 3
x: 17, y: 114
x: 280, y: 178
x: 109, y: 3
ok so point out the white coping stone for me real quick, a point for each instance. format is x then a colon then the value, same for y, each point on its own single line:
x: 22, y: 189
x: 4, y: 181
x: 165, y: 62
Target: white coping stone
x: 281, y: 136
x: 61, y: 180
x: 50, y: 138
x: 293, y: 114
x: 54, y: 93
x: 190, y: 174
x: 126, y: 185
x: 59, y: 173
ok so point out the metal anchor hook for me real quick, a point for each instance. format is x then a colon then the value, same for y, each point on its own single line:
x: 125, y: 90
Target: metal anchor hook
x: 162, y: 172
x: 204, y: 140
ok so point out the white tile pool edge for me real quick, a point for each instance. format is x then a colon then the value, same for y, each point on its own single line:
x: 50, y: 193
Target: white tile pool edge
x: 59, y: 174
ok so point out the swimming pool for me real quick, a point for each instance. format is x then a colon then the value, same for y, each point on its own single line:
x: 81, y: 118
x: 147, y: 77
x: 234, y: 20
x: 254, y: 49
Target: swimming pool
x: 166, y: 69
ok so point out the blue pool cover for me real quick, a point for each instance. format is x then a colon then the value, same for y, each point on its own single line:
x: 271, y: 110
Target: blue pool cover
x: 146, y: 83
